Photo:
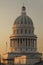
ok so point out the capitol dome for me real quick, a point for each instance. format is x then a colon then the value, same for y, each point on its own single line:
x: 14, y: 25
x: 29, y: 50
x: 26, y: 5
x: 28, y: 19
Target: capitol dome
x: 23, y: 18
x: 23, y: 36
x: 23, y: 23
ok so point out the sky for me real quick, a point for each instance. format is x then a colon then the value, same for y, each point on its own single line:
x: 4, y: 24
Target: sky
x: 10, y: 10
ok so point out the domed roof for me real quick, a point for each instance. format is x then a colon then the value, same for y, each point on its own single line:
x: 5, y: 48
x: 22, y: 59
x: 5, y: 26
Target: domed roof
x: 23, y: 18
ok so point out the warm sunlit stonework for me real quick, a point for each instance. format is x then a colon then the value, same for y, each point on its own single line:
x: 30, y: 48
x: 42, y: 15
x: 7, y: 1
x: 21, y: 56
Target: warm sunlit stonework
x: 23, y: 42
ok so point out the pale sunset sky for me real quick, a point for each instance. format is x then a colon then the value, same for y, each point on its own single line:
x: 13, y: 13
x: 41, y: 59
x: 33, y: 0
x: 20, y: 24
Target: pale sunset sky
x: 10, y: 10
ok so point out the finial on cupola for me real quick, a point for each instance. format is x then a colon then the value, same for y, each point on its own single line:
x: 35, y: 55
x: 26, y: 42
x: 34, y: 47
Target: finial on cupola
x: 23, y: 9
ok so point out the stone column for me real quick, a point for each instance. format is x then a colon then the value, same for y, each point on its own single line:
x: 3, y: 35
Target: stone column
x: 22, y: 44
x: 30, y: 43
x: 15, y: 44
x: 28, y: 46
x: 35, y: 44
x: 19, y: 43
x: 27, y: 43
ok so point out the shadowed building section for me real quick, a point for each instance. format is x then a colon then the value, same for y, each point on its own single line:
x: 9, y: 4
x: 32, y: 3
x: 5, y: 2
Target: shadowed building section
x: 23, y: 42
x: 39, y: 63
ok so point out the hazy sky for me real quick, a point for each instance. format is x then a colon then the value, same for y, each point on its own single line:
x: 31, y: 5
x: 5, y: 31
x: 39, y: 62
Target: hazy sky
x: 10, y: 10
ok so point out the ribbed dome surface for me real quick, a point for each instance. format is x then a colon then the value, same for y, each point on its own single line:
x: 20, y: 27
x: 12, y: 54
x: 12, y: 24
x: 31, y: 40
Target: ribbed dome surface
x: 23, y: 19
